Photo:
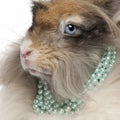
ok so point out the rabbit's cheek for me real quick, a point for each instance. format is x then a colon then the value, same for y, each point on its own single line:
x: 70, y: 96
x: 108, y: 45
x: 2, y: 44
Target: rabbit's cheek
x: 47, y: 61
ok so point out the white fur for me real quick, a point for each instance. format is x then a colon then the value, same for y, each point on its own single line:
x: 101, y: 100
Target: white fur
x: 103, y: 103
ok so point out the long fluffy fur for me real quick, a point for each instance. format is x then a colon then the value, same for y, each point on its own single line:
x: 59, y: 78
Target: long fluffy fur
x: 20, y: 87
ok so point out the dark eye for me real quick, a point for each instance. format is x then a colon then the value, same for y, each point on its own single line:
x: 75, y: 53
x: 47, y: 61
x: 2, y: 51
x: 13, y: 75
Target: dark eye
x: 70, y: 29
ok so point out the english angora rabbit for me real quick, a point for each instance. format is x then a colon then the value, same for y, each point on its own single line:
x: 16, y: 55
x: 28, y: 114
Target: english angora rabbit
x: 70, y: 57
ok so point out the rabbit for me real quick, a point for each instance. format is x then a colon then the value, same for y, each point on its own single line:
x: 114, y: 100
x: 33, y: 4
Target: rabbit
x: 63, y: 47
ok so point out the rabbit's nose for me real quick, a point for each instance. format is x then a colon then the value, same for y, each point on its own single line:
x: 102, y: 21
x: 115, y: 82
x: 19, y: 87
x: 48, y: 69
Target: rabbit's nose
x: 26, y: 53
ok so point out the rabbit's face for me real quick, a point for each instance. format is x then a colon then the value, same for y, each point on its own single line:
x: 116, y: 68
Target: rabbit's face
x: 65, y: 43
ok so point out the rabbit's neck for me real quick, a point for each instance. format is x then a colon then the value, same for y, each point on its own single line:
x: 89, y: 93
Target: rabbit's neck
x: 45, y: 102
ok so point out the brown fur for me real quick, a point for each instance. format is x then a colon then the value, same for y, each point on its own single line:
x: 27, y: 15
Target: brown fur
x: 71, y: 60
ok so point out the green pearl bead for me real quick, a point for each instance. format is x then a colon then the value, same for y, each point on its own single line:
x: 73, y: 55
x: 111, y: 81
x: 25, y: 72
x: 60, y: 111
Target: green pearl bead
x: 40, y: 86
x: 35, y: 106
x: 40, y: 92
x: 40, y: 103
x: 49, y: 97
x: 55, y: 105
x: 36, y: 101
x: 39, y: 97
x: 47, y: 92
x: 68, y: 109
x: 37, y: 110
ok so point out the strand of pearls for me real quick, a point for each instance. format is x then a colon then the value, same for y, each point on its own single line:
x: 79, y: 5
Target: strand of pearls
x: 103, y: 69
x: 45, y: 102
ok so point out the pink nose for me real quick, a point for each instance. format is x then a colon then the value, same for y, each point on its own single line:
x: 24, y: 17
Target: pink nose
x: 26, y: 54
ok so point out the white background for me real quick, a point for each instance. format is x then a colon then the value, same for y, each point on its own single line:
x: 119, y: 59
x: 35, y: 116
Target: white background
x: 15, y: 19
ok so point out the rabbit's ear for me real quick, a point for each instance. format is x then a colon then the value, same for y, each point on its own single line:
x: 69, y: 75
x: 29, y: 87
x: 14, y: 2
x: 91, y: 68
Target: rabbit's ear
x: 111, y: 5
x: 37, y: 6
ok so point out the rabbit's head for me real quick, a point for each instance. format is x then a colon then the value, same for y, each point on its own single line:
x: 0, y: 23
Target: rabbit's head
x: 67, y: 40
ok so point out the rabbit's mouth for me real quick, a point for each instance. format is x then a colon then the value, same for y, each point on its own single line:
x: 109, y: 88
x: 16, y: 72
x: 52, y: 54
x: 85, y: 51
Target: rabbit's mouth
x: 39, y: 71
x: 28, y: 66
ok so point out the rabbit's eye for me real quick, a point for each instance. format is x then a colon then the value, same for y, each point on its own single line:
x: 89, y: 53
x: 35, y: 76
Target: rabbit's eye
x: 72, y: 30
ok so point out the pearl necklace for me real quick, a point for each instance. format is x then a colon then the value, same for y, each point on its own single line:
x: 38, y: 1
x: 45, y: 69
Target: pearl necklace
x: 45, y: 102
